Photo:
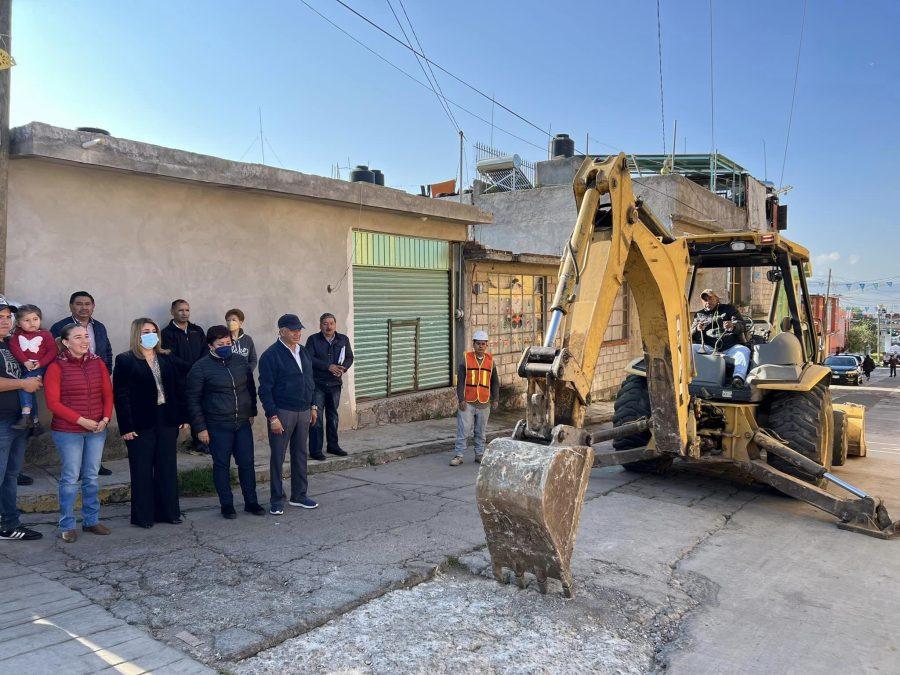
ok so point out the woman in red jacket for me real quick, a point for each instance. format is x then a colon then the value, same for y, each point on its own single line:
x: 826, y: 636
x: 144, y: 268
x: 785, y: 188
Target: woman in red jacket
x: 79, y: 394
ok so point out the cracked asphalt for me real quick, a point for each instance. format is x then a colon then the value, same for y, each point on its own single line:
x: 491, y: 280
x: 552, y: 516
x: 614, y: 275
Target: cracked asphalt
x: 685, y: 573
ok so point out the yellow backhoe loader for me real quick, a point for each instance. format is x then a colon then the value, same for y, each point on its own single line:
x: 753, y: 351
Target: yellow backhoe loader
x: 780, y: 428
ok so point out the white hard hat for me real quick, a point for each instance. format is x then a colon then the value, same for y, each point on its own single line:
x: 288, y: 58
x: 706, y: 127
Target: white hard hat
x: 479, y: 335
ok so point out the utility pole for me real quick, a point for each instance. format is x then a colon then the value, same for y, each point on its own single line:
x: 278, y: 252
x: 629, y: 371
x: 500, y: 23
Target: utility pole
x: 461, y: 154
x: 6, y: 37
x: 827, y: 316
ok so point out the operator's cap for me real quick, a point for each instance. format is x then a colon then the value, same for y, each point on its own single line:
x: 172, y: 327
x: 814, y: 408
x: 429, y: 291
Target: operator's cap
x: 707, y: 291
x: 6, y: 304
x: 479, y: 335
x: 290, y: 321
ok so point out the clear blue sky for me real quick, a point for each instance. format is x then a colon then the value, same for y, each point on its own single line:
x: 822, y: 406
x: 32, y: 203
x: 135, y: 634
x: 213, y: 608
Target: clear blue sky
x: 192, y: 75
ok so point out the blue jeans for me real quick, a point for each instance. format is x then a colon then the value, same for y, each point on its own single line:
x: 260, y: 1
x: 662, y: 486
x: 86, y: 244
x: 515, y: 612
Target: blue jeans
x: 26, y: 398
x: 12, y: 454
x: 739, y: 353
x: 80, y: 456
x: 223, y: 443
x: 473, y: 419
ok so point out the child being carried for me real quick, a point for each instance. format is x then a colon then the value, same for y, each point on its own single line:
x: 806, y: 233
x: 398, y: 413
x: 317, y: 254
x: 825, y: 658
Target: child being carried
x: 35, y: 349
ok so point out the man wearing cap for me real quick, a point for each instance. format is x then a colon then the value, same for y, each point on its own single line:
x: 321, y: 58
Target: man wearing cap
x: 719, y: 327
x: 286, y: 389
x: 477, y: 391
x: 12, y: 440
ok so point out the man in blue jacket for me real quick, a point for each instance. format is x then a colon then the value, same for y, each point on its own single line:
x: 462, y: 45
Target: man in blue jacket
x: 81, y: 304
x: 331, y: 357
x: 286, y: 389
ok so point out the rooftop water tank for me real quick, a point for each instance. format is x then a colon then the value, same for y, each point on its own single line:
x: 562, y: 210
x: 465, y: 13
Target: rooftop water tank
x: 561, y: 146
x: 361, y: 174
x: 379, y: 177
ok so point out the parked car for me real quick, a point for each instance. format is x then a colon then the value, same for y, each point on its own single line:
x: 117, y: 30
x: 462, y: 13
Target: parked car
x: 845, y: 369
x: 859, y: 357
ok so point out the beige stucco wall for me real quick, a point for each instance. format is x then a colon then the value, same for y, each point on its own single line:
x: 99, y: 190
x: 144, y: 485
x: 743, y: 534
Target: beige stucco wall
x: 137, y: 242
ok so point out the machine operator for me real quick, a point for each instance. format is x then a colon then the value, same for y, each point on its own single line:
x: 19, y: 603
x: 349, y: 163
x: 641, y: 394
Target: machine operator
x: 719, y: 328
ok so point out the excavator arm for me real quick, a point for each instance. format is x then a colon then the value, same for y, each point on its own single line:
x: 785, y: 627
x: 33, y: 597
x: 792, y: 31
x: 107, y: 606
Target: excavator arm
x: 615, y: 240
x: 531, y: 487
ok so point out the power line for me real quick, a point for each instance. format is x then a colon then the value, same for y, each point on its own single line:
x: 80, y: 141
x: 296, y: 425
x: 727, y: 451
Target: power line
x: 440, y: 67
x: 422, y: 49
x: 413, y: 78
x: 662, y: 98
x: 441, y: 102
x: 793, y: 95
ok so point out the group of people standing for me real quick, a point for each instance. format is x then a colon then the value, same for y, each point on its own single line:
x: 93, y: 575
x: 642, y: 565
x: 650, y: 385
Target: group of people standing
x: 168, y: 378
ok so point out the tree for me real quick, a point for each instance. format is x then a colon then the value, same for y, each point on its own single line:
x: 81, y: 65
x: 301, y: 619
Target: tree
x: 861, y: 337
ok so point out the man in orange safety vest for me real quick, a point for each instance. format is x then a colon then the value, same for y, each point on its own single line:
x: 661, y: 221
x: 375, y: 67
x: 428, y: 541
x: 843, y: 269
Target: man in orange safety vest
x: 478, y: 391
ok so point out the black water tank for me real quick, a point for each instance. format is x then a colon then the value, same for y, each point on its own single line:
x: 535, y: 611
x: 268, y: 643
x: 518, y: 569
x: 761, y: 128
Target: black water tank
x: 562, y: 146
x: 361, y: 174
x: 379, y: 177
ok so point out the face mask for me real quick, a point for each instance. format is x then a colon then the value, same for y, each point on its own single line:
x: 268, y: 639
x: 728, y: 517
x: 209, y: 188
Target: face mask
x: 223, y: 352
x: 149, y: 340
x: 234, y: 324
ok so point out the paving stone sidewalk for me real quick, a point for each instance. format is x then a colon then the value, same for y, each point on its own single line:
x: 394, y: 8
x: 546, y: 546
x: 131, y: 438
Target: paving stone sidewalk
x: 365, y: 447
x: 46, y: 627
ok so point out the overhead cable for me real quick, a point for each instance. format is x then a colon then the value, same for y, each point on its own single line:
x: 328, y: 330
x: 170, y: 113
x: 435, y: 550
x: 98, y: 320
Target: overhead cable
x: 787, y: 138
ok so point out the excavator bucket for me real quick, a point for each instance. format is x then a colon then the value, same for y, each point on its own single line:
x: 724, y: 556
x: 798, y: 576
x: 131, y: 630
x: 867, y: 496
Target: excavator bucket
x: 530, y: 497
x: 856, y: 427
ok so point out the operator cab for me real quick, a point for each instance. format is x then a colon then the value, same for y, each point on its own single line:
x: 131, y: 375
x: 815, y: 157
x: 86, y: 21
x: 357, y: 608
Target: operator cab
x: 782, y: 343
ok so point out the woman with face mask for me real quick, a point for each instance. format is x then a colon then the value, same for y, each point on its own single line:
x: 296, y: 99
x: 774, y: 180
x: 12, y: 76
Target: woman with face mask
x: 221, y: 402
x: 149, y: 411
x: 241, y: 343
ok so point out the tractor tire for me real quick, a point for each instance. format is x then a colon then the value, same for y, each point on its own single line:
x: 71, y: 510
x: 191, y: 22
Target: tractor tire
x: 840, y: 444
x: 804, y: 420
x: 633, y: 403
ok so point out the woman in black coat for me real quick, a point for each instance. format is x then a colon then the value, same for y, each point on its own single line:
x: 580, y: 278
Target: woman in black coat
x: 149, y: 409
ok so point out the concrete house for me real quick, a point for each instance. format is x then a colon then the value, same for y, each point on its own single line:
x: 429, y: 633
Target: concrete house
x: 512, y: 265
x: 139, y: 225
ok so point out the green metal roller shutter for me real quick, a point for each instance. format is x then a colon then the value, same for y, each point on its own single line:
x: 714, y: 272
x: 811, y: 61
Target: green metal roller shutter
x: 413, y: 299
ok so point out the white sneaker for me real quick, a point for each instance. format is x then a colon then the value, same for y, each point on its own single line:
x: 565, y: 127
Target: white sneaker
x: 456, y: 461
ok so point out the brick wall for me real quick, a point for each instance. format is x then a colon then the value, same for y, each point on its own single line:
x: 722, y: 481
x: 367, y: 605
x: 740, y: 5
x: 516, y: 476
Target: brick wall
x: 614, y: 357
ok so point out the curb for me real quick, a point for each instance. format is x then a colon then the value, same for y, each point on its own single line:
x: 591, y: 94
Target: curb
x: 121, y: 493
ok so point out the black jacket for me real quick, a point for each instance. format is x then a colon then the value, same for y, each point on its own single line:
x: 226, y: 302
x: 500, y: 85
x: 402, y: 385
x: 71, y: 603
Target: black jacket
x: 281, y: 384
x: 103, y: 348
x: 187, y: 346
x: 324, y: 355
x: 715, y: 320
x: 134, y: 393
x: 220, y: 393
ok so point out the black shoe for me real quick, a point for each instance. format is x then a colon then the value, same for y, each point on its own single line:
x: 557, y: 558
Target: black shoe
x: 338, y: 452
x: 737, y: 383
x: 174, y: 521
x: 229, y: 512
x: 146, y: 526
x: 23, y: 423
x: 20, y: 534
x: 104, y: 471
x: 24, y: 480
x: 319, y: 457
x: 255, y: 509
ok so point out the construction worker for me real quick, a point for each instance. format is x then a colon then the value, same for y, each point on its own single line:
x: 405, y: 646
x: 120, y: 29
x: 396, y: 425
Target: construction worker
x: 478, y: 391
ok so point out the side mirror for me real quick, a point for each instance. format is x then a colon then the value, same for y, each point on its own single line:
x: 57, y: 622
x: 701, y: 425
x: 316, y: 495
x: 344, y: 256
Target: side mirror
x: 773, y: 275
